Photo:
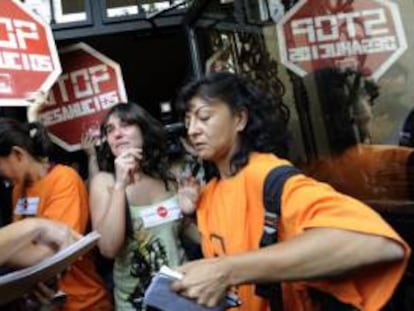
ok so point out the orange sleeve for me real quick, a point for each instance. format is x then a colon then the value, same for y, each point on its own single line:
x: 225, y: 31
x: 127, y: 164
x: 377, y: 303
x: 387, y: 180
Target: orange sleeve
x: 66, y: 200
x: 307, y: 203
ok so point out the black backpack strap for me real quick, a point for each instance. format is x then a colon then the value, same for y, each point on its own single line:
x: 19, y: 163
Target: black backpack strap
x: 272, y: 194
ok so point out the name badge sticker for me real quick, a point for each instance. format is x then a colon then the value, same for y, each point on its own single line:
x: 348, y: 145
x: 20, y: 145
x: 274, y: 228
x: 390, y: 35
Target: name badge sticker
x: 27, y: 206
x: 160, y: 214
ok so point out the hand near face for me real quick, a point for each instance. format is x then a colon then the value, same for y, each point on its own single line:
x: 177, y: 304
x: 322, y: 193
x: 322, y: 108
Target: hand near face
x: 88, y: 143
x: 206, y: 281
x: 127, y: 166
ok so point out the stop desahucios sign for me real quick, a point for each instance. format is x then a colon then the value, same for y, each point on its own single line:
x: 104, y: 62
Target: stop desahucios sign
x: 91, y: 84
x: 366, y: 35
x: 28, y: 58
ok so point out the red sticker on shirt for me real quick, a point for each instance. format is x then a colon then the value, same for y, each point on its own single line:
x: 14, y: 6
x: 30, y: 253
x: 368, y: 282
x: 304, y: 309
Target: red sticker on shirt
x: 162, y: 211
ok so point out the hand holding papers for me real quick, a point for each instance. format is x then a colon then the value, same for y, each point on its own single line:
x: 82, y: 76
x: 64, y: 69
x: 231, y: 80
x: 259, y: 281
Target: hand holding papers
x: 15, y: 284
x: 160, y: 295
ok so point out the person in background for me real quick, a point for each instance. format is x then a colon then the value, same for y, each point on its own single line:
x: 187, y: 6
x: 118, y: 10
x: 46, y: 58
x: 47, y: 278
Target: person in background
x: 56, y: 192
x: 328, y: 242
x: 355, y: 165
x: 85, y: 162
x: 134, y: 204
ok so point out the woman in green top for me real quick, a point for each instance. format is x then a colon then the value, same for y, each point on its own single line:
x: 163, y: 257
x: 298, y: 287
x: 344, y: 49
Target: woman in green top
x: 134, y: 204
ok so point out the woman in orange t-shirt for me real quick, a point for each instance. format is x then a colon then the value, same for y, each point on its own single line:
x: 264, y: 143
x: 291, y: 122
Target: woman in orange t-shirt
x: 237, y: 130
x: 56, y: 192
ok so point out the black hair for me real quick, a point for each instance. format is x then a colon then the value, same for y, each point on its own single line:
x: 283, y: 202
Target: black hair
x: 266, y: 128
x: 31, y: 137
x: 339, y: 93
x: 155, y: 157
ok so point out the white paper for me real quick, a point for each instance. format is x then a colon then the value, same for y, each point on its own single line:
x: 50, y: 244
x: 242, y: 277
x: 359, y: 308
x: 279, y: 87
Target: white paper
x: 15, y: 284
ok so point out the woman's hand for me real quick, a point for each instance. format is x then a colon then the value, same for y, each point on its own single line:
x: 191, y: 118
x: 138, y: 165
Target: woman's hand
x: 88, y: 142
x: 46, y: 296
x: 207, y: 281
x: 54, y: 234
x: 127, y: 166
x: 188, y: 193
x: 44, y: 293
x: 36, y: 101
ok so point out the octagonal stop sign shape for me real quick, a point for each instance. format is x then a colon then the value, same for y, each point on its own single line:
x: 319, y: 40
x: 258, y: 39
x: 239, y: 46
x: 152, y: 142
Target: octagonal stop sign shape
x: 28, y: 58
x: 365, y: 35
x: 91, y: 84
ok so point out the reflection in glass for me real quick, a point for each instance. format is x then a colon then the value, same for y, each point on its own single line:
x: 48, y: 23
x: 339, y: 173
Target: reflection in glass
x: 355, y: 165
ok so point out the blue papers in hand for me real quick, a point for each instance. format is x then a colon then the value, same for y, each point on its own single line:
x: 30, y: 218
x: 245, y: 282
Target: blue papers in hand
x: 160, y: 295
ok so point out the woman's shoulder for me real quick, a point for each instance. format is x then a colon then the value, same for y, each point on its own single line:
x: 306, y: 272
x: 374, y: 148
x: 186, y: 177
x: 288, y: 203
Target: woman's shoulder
x: 63, y: 172
x: 261, y: 163
x: 62, y: 178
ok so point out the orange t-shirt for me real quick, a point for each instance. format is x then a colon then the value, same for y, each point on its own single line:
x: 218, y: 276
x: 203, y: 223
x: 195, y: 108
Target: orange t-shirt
x: 61, y: 195
x: 231, y: 216
x: 367, y: 172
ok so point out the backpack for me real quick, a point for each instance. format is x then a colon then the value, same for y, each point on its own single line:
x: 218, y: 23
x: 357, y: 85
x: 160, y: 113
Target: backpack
x: 272, y: 194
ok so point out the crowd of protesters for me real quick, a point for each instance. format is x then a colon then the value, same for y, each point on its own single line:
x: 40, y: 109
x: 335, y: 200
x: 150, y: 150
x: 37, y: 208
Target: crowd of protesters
x: 330, y: 246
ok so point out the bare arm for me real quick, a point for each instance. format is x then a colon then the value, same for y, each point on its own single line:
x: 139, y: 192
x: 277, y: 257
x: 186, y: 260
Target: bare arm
x: 301, y: 258
x: 93, y: 167
x: 305, y: 257
x: 107, y: 201
x: 30, y: 255
x: 107, y: 204
x: 26, y: 242
x: 88, y: 143
x: 16, y: 237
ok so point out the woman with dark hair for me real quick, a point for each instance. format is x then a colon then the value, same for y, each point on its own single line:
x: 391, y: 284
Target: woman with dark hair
x: 321, y: 232
x: 134, y: 204
x: 56, y: 192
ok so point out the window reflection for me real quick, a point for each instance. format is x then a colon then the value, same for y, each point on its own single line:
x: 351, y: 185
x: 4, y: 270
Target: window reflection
x: 356, y: 163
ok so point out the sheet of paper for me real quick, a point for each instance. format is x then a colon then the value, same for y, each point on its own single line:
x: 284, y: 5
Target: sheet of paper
x: 15, y: 284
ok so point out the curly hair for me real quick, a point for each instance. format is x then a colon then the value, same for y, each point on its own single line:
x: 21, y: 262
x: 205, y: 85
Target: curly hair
x: 155, y: 158
x: 266, y: 128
